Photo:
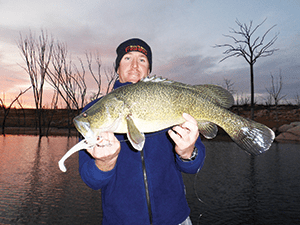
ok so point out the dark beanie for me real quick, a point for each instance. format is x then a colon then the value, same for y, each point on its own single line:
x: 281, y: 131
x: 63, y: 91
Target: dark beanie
x: 134, y: 44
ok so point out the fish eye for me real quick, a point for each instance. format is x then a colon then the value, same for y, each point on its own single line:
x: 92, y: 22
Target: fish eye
x: 84, y: 115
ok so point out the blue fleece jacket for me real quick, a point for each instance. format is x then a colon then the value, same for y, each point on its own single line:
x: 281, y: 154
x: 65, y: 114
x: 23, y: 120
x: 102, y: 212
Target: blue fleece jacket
x: 124, y: 199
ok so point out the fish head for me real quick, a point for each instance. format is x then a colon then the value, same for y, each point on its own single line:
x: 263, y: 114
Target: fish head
x: 105, y: 115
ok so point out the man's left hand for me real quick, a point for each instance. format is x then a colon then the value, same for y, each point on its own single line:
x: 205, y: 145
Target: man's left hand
x: 185, y: 136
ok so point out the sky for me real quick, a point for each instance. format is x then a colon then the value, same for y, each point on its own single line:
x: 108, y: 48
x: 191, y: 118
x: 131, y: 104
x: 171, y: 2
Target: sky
x: 181, y: 34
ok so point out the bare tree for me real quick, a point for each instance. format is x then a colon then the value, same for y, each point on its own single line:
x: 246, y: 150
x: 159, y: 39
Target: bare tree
x: 37, y: 55
x: 46, y: 60
x: 7, y: 109
x: 111, y: 77
x: 69, y: 81
x: 228, y: 85
x: 297, y: 99
x: 97, y: 79
x: 249, y: 48
x: 62, y: 79
x: 71, y: 87
x: 53, y: 107
x: 24, y: 114
x: 242, y: 99
x: 274, y: 91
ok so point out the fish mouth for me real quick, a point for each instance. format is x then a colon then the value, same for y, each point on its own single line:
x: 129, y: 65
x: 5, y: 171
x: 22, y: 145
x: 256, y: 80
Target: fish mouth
x: 84, y: 128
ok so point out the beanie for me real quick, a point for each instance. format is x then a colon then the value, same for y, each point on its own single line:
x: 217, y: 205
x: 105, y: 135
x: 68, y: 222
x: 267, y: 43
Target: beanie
x: 134, y: 44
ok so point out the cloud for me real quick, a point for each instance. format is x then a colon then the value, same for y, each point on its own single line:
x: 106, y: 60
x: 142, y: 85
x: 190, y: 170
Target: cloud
x: 188, y: 69
x: 180, y: 34
x: 12, y: 82
x: 199, y: 69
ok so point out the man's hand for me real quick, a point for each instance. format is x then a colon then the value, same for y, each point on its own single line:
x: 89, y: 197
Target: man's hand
x: 106, y: 151
x: 185, y: 136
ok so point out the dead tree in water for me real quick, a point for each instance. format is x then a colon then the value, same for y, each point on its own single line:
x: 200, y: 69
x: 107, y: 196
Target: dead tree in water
x: 7, y: 109
x: 48, y: 60
x: 70, y: 81
x: 37, y: 55
x: 249, y: 48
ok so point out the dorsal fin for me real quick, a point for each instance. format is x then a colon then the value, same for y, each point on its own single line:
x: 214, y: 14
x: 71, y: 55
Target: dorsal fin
x: 219, y: 95
x: 156, y: 79
x: 215, y: 93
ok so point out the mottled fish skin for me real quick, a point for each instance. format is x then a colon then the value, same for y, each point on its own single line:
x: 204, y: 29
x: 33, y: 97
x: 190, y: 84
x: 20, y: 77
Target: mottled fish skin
x: 155, y: 103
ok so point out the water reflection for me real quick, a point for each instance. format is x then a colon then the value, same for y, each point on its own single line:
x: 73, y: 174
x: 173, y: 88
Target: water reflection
x: 35, y: 191
x: 241, y: 189
x: 235, y: 187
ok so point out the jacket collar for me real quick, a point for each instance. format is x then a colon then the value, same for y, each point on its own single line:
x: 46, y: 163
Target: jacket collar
x: 119, y: 84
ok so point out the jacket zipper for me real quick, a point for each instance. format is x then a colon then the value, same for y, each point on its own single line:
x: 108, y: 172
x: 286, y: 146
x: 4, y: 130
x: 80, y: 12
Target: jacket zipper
x: 146, y: 187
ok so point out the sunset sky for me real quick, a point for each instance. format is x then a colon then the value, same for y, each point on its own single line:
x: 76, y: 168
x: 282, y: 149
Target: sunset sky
x: 181, y: 34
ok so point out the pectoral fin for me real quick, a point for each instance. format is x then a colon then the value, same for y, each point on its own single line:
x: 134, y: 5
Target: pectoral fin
x: 136, y: 138
x: 208, y: 129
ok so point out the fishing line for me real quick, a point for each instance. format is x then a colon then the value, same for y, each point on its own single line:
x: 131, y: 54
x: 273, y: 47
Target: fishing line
x: 195, y: 190
x: 198, y: 198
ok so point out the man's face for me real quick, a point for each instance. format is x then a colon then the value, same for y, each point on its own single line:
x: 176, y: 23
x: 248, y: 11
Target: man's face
x: 133, y: 67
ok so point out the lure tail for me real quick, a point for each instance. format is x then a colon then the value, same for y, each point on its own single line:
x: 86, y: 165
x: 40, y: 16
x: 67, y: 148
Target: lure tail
x: 79, y: 146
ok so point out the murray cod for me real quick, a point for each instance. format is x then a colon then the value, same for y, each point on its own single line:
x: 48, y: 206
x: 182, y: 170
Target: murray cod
x: 154, y: 104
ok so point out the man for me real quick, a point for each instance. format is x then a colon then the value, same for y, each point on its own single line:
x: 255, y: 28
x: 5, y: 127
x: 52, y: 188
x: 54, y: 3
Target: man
x: 142, y: 187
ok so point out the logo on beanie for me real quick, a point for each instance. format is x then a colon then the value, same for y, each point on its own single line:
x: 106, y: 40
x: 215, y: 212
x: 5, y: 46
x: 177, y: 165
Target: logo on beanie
x: 136, y: 48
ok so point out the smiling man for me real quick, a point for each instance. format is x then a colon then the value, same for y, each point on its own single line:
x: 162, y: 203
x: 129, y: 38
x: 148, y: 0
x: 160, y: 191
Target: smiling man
x: 142, y: 187
x: 133, y: 61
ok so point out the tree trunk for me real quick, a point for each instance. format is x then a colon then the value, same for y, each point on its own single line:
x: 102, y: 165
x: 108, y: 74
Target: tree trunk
x: 252, y: 90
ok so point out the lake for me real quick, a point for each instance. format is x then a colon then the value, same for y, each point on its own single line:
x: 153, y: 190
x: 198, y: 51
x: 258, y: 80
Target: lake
x: 232, y: 188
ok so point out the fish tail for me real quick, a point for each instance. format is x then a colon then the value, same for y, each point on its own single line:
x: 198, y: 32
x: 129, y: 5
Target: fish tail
x: 253, y: 137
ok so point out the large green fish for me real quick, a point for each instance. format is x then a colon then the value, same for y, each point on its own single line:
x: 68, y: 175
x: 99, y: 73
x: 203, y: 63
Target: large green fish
x: 154, y: 104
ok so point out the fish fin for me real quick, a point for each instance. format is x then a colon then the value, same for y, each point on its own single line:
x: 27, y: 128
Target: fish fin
x: 217, y: 94
x: 208, y: 129
x: 254, y: 138
x: 156, y: 79
x: 136, y: 138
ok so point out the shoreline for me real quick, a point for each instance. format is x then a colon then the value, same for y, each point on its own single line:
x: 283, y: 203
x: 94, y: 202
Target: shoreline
x: 53, y: 131
x: 23, y: 121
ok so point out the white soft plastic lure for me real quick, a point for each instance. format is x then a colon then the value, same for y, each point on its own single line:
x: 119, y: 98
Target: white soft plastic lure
x: 83, y: 144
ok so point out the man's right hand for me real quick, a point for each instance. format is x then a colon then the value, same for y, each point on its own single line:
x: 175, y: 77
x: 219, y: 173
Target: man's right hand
x: 106, y: 151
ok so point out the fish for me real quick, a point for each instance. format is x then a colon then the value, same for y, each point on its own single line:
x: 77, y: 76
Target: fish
x: 156, y: 103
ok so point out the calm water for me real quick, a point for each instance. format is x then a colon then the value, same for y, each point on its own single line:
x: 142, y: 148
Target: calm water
x: 235, y: 188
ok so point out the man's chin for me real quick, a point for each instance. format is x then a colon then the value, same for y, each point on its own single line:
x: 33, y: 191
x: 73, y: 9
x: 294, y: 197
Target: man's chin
x: 134, y: 79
